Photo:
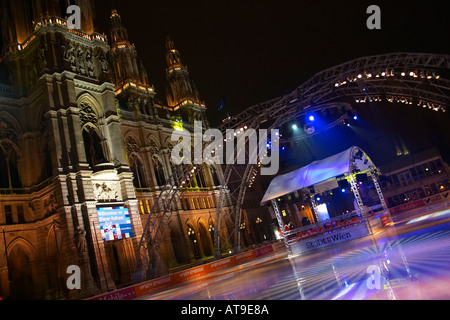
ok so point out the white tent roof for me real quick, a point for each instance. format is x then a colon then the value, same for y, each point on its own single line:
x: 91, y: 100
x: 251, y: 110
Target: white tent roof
x: 314, y: 173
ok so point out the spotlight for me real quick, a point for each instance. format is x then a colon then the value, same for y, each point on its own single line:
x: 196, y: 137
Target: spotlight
x: 355, y: 117
x: 294, y: 126
x: 318, y: 198
x: 343, y: 190
x: 311, y: 118
x: 309, y: 128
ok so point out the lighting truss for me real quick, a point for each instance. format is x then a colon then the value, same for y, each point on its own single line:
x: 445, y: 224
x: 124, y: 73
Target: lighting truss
x: 415, y: 76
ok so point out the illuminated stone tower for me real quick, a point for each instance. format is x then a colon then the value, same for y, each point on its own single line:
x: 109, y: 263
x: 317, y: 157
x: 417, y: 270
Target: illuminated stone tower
x: 62, y: 155
x: 82, y: 133
x: 129, y: 75
x: 181, y: 92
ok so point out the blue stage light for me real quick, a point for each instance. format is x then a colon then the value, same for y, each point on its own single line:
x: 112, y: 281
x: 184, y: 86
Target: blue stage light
x: 318, y: 199
x: 355, y: 117
x: 343, y: 190
x: 311, y: 118
x: 294, y: 126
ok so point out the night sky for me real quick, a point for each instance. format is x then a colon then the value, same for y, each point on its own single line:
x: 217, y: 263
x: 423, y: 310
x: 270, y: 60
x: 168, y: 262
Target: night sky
x: 251, y: 51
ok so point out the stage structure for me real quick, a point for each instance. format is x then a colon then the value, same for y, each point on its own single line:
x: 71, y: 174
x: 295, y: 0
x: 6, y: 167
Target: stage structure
x: 350, y: 167
x: 413, y: 78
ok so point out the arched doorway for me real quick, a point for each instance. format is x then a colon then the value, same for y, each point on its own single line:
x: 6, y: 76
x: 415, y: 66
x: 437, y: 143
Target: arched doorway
x: 205, y: 240
x: 56, y: 280
x: 178, y: 246
x: 20, y: 263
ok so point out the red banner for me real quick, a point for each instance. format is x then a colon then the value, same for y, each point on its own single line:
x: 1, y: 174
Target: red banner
x: 162, y: 283
x: 420, y: 203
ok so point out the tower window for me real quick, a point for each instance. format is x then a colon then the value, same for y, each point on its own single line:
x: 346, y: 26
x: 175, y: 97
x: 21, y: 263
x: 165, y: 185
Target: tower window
x: 93, y: 147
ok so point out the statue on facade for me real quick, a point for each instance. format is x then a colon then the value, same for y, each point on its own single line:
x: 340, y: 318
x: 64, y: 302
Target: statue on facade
x: 80, y: 239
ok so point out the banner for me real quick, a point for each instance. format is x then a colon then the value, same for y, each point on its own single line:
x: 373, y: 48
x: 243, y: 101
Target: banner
x: 420, y: 203
x: 351, y: 233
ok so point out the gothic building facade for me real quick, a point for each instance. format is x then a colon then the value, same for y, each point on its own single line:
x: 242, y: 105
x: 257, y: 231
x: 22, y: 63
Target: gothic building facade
x: 82, y: 128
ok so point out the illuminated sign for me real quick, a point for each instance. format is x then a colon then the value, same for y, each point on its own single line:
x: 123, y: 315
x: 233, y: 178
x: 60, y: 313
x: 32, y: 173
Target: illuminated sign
x: 114, y: 223
x: 322, y: 211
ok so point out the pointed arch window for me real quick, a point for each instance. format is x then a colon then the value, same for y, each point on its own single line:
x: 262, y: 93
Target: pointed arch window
x: 93, y: 146
x: 159, y: 171
x: 139, y: 180
x: 93, y: 143
x: 9, y: 169
x: 214, y: 175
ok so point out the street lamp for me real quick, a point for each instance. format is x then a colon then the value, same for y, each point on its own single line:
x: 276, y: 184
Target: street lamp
x: 191, y: 234
x: 211, y: 230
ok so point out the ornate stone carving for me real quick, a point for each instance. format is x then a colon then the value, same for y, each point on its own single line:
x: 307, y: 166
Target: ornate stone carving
x: 6, y: 130
x: 50, y: 204
x: 131, y: 145
x: 106, y: 191
x: 153, y: 147
x: 79, y: 238
x: 87, y: 114
x: 89, y: 64
x: 69, y: 55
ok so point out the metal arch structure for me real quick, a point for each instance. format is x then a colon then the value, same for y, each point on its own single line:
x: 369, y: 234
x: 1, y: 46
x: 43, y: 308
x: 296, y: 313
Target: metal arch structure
x: 421, y: 78
x: 397, y: 75
x: 350, y: 79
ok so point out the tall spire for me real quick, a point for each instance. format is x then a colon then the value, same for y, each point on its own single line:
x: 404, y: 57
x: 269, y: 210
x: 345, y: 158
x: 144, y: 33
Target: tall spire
x: 173, y: 57
x: 181, y: 90
x: 130, y: 77
x: 119, y: 33
x: 124, y: 55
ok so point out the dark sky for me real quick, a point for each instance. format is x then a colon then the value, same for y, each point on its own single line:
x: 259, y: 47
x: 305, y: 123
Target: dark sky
x: 250, y: 51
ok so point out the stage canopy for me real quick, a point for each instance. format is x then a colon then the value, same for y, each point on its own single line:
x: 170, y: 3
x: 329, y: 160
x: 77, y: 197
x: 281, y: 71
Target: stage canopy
x: 317, y: 172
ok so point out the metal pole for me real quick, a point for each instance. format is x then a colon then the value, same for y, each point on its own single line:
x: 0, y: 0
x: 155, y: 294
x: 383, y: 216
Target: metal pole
x: 281, y: 224
x: 380, y: 195
x: 354, y: 187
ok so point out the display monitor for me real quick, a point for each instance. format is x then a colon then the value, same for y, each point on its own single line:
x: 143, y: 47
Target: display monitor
x: 115, y: 223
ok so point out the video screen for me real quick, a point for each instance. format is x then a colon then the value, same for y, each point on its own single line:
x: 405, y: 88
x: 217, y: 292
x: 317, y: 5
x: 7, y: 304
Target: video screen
x: 114, y: 223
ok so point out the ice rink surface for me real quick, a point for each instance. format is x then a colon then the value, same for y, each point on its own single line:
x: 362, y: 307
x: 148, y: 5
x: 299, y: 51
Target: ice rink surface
x: 410, y: 260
